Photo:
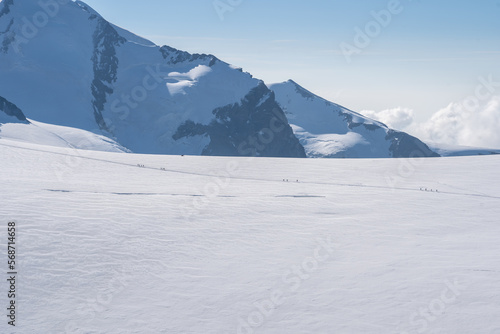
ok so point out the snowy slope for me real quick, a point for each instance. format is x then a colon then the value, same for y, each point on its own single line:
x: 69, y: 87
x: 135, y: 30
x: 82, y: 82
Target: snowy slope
x: 59, y: 136
x: 43, y: 70
x: 76, y: 69
x: 328, y: 130
x: 15, y: 126
x: 457, y: 151
x: 222, y: 245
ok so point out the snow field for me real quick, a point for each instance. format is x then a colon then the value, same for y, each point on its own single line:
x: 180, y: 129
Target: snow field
x: 224, y: 245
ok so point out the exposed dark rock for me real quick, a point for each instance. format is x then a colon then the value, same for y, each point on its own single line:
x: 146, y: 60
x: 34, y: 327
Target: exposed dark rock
x: 8, y: 37
x: 105, y: 61
x: 190, y: 129
x: 304, y: 92
x: 371, y: 127
x: 350, y: 120
x: 405, y: 146
x: 174, y: 56
x: 255, y: 127
x: 10, y: 109
x: 5, y: 7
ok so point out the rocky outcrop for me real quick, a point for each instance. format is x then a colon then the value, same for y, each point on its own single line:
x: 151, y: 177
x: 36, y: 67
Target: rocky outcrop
x: 254, y: 127
x: 105, y: 62
x: 10, y: 113
x: 328, y: 130
x: 174, y: 56
x: 405, y: 146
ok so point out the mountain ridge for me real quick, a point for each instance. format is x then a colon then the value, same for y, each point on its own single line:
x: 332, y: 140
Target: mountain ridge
x: 79, y: 70
x: 115, y: 83
x: 328, y: 130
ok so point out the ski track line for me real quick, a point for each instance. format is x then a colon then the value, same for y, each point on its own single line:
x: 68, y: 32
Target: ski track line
x: 250, y: 179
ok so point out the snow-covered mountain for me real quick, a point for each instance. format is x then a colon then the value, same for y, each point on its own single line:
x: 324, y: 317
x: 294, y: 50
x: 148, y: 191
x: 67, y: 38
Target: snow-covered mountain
x: 326, y: 129
x: 64, y: 64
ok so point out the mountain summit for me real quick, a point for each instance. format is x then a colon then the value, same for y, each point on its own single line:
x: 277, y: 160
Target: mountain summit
x: 63, y: 64
x: 328, y: 130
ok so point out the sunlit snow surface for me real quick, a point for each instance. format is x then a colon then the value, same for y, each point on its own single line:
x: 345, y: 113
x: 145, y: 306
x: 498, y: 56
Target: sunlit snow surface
x: 212, y: 245
x: 59, y: 136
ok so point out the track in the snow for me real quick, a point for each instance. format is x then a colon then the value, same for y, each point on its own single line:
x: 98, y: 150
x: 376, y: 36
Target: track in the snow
x: 162, y: 169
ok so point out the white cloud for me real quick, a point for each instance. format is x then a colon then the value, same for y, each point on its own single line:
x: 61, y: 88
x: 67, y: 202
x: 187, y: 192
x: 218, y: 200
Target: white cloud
x: 396, y: 118
x: 457, y: 124
x: 460, y: 125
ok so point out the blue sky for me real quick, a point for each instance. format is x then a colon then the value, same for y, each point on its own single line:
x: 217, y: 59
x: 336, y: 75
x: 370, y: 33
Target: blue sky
x: 429, y: 54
